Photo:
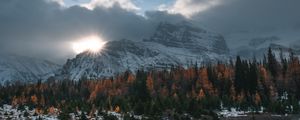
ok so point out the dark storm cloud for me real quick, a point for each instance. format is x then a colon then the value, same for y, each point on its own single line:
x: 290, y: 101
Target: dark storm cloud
x: 44, y: 29
x: 252, y: 15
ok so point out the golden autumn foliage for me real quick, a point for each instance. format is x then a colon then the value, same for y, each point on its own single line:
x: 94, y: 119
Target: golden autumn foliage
x: 257, y: 98
x: 34, y: 99
x: 149, y: 84
x: 52, y: 110
x: 93, y: 95
x: 130, y: 78
x: 175, y: 95
x: 189, y: 74
x: 117, y: 109
x: 39, y: 111
x: 201, y: 94
x: 203, y: 80
x: 225, y: 73
x: 266, y: 81
x: 264, y: 73
x: 15, y: 101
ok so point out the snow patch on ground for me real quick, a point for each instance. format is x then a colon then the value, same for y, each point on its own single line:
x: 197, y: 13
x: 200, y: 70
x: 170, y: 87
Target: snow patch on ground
x: 9, y: 112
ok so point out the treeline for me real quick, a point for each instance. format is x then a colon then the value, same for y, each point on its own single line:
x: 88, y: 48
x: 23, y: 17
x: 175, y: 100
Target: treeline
x: 196, y: 90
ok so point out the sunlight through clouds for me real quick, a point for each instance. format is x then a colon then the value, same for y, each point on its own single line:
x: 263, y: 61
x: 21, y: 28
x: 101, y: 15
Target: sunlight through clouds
x: 189, y: 7
x: 93, y: 44
x: 60, y: 2
x: 125, y: 4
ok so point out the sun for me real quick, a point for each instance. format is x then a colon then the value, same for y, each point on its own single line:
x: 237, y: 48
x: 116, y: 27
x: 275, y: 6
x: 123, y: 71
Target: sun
x: 93, y: 44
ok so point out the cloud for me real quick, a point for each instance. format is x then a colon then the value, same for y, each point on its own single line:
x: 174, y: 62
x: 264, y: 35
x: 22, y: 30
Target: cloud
x: 188, y: 8
x: 125, y: 4
x: 241, y: 20
x: 43, y: 29
x: 231, y: 16
x: 251, y: 15
x: 60, y: 2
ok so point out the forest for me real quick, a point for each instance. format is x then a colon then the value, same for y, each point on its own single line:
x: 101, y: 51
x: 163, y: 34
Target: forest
x: 195, y: 90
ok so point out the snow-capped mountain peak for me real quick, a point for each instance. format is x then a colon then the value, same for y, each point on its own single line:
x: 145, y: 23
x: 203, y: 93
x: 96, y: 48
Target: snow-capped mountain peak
x: 171, y: 44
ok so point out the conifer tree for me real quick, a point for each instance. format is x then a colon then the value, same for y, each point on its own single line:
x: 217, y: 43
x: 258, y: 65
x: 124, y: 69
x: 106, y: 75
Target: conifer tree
x: 253, y: 77
x: 272, y: 63
x: 238, y: 81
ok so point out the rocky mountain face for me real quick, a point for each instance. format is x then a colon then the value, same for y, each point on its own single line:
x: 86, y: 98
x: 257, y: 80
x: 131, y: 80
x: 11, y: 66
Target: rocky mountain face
x: 184, y: 35
x: 171, y: 44
x: 24, y: 69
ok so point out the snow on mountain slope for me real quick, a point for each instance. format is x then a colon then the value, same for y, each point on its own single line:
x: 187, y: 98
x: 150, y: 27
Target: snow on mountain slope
x: 24, y: 69
x: 255, y: 43
x: 258, y: 47
x: 171, y: 44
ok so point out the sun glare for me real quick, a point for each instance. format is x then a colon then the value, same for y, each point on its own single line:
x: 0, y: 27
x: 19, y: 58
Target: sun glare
x: 93, y: 44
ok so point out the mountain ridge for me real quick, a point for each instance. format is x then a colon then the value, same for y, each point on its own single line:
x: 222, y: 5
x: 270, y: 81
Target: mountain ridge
x: 171, y: 44
x: 23, y: 69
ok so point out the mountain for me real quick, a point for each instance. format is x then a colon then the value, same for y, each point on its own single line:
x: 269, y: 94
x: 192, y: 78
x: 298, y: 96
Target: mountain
x: 259, y: 46
x: 263, y: 41
x: 186, y: 35
x: 24, y: 69
x: 171, y: 44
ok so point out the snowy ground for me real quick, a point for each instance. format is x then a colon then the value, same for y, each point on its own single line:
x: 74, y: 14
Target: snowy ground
x: 264, y: 117
x: 9, y: 112
x: 233, y: 112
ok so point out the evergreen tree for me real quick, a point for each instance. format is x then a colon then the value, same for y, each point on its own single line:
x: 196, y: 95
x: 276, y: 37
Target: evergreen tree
x: 245, y: 76
x: 140, y: 86
x: 238, y: 81
x: 284, y: 64
x: 265, y: 63
x: 272, y: 63
x: 253, y: 77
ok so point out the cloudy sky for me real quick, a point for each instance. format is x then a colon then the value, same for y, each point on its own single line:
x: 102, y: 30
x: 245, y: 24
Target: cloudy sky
x: 46, y: 28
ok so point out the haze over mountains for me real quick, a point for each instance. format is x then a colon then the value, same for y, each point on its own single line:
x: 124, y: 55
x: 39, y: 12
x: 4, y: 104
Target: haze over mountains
x: 171, y: 44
